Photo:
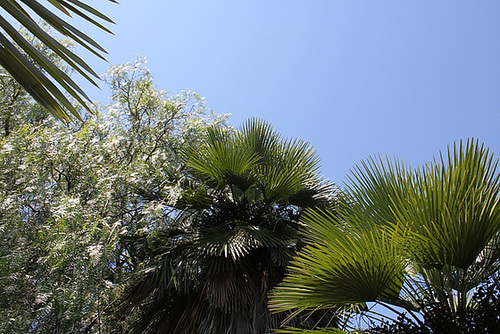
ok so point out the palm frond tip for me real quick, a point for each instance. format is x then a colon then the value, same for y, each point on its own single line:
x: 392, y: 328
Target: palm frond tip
x: 34, y: 72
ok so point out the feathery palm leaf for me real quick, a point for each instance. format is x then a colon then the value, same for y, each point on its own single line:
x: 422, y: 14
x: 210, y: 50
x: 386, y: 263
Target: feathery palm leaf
x: 33, y: 70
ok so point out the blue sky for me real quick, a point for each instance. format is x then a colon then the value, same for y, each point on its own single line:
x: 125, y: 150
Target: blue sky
x: 353, y: 78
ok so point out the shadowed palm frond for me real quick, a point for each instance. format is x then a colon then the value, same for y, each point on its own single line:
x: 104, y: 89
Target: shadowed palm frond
x: 238, y: 240
x: 243, y: 197
x: 32, y: 69
x: 289, y: 330
x: 320, y: 193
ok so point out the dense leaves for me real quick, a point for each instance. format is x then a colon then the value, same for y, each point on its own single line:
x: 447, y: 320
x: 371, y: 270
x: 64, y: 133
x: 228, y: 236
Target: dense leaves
x: 210, y: 271
x: 419, y: 239
x: 482, y: 317
x: 68, y: 195
x: 153, y: 215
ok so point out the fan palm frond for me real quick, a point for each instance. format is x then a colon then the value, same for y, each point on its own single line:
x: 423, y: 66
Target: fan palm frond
x: 238, y: 240
x: 296, y: 154
x: 260, y: 137
x: 402, y: 236
x: 32, y: 69
x: 456, y: 206
x: 243, y: 198
x: 222, y: 163
x: 347, y: 262
x: 378, y: 185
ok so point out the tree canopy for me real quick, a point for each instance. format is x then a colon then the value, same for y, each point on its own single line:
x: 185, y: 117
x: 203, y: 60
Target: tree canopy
x: 68, y: 195
x: 153, y: 215
x: 210, y: 270
x: 152, y: 207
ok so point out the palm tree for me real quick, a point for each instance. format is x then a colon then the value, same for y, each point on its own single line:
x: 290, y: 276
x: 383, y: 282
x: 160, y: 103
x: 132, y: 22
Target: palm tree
x: 211, y: 270
x: 34, y: 72
x: 406, y: 238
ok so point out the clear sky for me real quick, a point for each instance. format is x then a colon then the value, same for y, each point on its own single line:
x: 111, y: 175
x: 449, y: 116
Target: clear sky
x: 354, y: 78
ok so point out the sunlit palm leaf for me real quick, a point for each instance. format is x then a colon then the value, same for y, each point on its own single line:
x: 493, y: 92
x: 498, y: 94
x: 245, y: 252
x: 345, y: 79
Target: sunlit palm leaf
x: 452, y: 204
x: 440, y: 223
x: 378, y: 185
x: 257, y: 157
x: 297, y: 154
x: 245, y: 191
x: 459, y: 211
x: 279, y: 184
x: 347, y: 262
x: 39, y: 80
x: 222, y: 163
x: 258, y: 136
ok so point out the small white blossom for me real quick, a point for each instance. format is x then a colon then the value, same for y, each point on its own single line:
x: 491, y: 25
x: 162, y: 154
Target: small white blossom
x: 6, y: 148
x: 95, y: 252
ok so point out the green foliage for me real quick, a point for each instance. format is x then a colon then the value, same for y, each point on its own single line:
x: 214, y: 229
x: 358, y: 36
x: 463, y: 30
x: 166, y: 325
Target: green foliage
x: 482, y: 317
x: 211, y: 269
x: 402, y: 237
x: 68, y: 196
x: 32, y: 69
x: 338, y: 257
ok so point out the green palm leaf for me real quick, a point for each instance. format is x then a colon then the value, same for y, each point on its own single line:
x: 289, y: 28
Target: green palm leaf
x: 348, y: 261
x: 259, y: 137
x: 237, y: 240
x: 256, y: 159
x: 459, y: 212
x: 242, y: 202
x: 39, y: 80
x: 406, y: 237
x: 451, y: 204
x: 280, y: 184
x: 221, y: 161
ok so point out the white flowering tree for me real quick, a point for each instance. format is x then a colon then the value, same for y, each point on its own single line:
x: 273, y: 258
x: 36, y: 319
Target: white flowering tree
x: 69, y: 194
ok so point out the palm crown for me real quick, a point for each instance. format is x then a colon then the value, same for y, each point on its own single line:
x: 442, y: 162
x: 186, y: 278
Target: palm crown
x: 403, y: 237
x: 212, y: 269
